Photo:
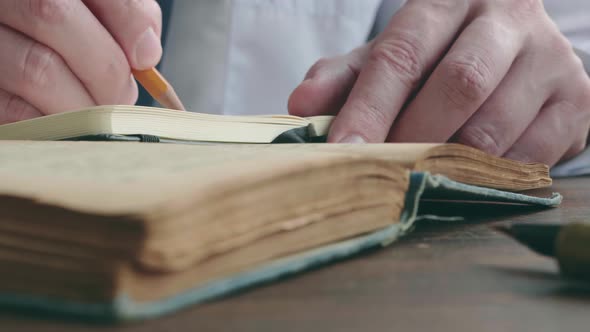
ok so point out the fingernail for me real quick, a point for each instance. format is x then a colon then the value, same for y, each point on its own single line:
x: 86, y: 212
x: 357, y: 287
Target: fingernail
x: 307, y: 81
x: 148, y: 50
x: 352, y: 139
x: 323, y: 74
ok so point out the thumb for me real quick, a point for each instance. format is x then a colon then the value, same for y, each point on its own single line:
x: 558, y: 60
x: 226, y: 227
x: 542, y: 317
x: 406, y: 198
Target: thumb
x: 327, y: 84
x: 135, y: 25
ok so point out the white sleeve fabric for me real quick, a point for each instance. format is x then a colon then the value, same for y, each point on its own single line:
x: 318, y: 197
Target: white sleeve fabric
x: 245, y: 57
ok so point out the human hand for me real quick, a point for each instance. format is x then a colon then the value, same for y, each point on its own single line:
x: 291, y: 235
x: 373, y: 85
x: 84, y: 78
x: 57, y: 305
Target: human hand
x: 61, y: 55
x: 495, y: 75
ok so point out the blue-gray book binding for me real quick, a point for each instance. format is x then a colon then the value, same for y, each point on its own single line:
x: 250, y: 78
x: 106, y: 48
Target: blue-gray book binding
x: 421, y: 185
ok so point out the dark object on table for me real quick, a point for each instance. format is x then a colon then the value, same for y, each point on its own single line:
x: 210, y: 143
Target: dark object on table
x: 569, y: 244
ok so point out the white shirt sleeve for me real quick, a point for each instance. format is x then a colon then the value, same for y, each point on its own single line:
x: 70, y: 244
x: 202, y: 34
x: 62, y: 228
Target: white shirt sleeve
x: 246, y: 56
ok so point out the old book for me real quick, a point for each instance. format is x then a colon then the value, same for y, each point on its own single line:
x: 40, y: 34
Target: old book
x: 132, y: 230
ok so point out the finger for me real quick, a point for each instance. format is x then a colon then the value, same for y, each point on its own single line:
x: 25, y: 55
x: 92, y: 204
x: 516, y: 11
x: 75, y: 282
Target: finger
x: 473, y: 68
x: 513, y: 106
x: 327, y: 84
x: 38, y: 75
x: 508, y: 112
x: 136, y: 25
x: 560, y: 129
x: 71, y: 30
x: 415, y: 39
x: 14, y: 108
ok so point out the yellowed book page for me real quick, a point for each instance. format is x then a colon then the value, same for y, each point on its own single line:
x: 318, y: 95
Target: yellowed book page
x: 127, y: 178
x: 403, y: 154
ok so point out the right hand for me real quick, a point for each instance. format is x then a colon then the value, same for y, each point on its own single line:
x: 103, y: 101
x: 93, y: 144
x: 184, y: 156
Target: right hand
x: 63, y: 55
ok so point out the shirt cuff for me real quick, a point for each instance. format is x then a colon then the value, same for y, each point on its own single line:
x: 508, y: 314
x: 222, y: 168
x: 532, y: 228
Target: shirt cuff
x: 578, y: 166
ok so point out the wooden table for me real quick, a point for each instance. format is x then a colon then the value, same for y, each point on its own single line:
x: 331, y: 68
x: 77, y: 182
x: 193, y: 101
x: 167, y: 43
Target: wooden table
x: 458, y: 276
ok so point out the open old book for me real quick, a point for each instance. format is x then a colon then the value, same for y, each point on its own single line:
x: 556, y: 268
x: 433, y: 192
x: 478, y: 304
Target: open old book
x: 134, y: 230
x: 118, y: 230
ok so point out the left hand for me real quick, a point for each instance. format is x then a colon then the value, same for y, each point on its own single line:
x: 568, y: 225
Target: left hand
x: 495, y: 75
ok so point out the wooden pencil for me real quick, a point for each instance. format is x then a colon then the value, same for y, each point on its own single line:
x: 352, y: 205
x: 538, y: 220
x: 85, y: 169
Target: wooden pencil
x: 159, y: 88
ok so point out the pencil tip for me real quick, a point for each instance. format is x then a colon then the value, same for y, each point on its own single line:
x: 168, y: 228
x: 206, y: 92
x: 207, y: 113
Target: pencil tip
x: 171, y: 100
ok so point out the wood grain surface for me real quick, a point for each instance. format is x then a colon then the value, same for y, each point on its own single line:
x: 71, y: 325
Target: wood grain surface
x: 445, y: 276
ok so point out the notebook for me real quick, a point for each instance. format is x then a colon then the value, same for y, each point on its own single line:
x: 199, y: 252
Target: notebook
x: 135, y: 123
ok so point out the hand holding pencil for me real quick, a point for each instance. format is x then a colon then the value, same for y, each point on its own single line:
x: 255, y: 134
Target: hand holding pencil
x: 83, y: 59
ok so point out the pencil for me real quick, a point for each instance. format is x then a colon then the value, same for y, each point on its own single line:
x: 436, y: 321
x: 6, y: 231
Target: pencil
x: 159, y: 88
x: 568, y: 244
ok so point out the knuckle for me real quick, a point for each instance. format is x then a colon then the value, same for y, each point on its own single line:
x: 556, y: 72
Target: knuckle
x: 577, y: 147
x: 149, y: 9
x: 437, y: 7
x: 118, y: 72
x: 402, y: 55
x: 571, y: 69
x: 576, y: 127
x: 317, y: 67
x: 484, y: 138
x: 50, y: 11
x: 153, y: 10
x: 573, y: 115
x: 466, y: 80
x: 525, y: 156
x: 117, y: 66
x: 541, y: 150
x: 371, y: 116
x: 526, y: 7
x: 37, y: 66
x: 322, y: 62
x: 130, y: 96
x: 567, y: 107
x: 560, y: 45
x: 16, y: 109
x: 355, y: 60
